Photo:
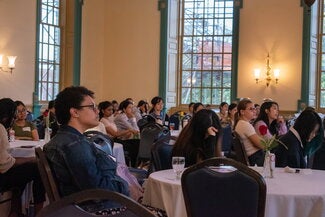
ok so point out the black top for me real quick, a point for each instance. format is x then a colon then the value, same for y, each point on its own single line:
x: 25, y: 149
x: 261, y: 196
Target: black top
x: 207, y: 150
x: 293, y: 156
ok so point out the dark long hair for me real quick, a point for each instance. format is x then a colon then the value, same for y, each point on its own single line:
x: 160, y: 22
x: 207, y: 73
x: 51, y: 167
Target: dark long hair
x: 7, y: 112
x: 192, y: 136
x: 155, y: 101
x: 306, y: 123
x: 102, y: 106
x: 264, y: 117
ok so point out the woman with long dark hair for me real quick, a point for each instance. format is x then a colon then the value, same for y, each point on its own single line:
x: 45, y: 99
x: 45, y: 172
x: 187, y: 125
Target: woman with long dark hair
x: 269, y: 118
x: 295, y: 140
x: 200, y: 139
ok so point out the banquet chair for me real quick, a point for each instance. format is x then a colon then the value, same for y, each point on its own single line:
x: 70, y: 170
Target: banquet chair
x: 174, y: 118
x: 161, y: 154
x: 68, y: 205
x: 226, y: 140
x: 223, y: 187
x: 239, y: 148
x: 149, y: 135
x: 48, y: 179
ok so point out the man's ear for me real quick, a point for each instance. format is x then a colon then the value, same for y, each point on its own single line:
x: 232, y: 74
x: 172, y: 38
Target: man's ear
x: 74, y: 112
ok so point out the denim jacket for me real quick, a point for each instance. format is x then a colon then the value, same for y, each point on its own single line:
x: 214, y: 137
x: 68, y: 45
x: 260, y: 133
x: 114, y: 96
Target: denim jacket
x: 79, y: 165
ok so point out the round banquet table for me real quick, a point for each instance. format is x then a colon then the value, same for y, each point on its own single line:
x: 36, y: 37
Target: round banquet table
x: 24, y: 148
x: 288, y: 194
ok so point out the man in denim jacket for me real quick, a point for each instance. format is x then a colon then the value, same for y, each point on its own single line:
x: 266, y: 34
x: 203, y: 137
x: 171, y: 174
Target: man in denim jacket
x: 77, y: 163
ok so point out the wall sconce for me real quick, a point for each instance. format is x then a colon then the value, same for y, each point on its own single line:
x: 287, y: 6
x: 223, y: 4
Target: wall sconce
x: 276, y: 73
x: 10, y: 66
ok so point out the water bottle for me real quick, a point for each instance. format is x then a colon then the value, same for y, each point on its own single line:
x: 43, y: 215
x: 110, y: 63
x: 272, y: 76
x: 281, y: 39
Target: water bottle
x: 11, y: 135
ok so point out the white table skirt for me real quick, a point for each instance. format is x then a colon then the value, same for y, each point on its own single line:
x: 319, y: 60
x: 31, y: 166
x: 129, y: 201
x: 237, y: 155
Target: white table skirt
x: 288, y: 194
x: 23, y: 148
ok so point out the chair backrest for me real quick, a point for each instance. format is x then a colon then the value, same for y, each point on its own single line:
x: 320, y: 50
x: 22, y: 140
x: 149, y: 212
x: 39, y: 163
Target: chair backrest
x: 235, y: 191
x: 174, y: 118
x: 149, y: 134
x: 161, y: 154
x: 48, y: 180
x: 226, y: 139
x: 239, y: 148
x: 67, y: 206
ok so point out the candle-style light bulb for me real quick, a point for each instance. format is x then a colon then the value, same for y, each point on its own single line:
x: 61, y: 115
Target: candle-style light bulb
x: 1, y: 56
x: 11, y: 60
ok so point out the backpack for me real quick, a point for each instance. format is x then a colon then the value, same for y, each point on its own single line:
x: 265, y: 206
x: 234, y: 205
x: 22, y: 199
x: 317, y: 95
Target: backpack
x: 101, y: 141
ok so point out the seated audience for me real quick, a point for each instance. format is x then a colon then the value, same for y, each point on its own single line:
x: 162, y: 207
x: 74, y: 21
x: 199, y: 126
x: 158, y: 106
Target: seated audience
x: 24, y: 129
x: 77, y: 163
x: 135, y: 110
x: 41, y: 121
x: 157, y: 111
x: 189, y: 115
x: 143, y: 107
x: 223, y: 113
x: 232, y: 109
x: 269, y: 117
x: 105, y: 112
x: 197, y: 107
x: 252, y: 142
x: 116, y: 106
x: 200, y: 139
x: 303, y: 131
x: 15, y: 173
x: 126, y: 121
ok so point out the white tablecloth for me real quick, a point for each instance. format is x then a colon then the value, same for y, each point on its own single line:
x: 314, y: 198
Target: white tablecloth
x: 288, y: 194
x: 23, y: 148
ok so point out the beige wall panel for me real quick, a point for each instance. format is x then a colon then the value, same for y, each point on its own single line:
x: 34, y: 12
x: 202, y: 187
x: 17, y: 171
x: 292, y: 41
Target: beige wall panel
x: 92, y: 47
x: 128, y: 49
x: 275, y: 27
x: 17, y: 38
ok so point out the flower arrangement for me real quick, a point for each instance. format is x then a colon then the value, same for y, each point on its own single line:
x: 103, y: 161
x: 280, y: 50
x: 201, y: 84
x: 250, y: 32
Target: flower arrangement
x: 271, y: 143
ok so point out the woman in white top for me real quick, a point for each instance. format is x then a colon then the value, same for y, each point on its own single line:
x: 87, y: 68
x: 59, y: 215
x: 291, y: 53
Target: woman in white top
x: 105, y: 112
x: 252, y: 142
x: 123, y: 128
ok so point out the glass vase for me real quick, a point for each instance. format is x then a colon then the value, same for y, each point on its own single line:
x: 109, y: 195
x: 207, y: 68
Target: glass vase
x: 267, y: 168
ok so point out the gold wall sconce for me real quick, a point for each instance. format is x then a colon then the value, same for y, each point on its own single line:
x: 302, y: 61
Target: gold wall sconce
x: 10, y: 66
x: 269, y: 77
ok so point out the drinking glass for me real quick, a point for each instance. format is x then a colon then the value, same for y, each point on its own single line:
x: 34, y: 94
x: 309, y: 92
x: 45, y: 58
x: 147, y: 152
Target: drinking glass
x: 178, y: 165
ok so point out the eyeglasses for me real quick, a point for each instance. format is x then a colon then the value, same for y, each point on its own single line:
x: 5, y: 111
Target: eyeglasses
x: 251, y: 109
x: 91, y: 106
x: 21, y: 111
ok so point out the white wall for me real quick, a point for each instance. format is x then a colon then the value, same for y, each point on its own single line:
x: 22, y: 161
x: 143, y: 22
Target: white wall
x: 17, y: 38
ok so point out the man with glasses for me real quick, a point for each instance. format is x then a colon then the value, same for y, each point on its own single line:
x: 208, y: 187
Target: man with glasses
x: 77, y: 163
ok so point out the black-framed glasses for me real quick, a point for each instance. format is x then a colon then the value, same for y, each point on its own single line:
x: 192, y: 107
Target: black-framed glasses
x: 251, y: 109
x: 91, y: 106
